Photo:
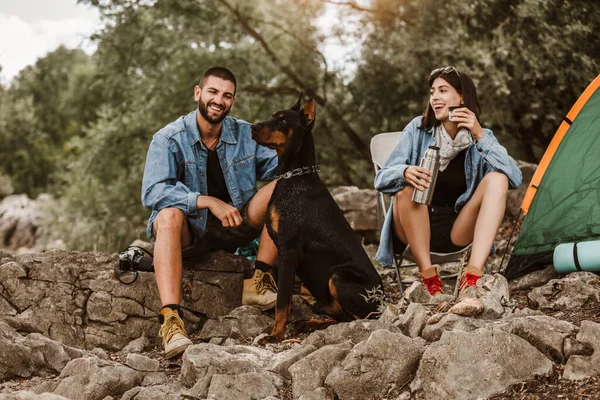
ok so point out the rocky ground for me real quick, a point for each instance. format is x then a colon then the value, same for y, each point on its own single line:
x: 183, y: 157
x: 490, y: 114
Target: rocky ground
x: 70, y: 329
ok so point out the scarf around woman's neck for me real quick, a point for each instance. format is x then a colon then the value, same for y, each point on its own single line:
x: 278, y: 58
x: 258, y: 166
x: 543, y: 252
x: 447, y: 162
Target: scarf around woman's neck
x: 450, y: 148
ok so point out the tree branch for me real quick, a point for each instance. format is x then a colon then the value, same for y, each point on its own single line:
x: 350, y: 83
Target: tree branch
x: 303, y: 44
x: 308, y: 89
x: 352, y: 5
x: 271, y: 90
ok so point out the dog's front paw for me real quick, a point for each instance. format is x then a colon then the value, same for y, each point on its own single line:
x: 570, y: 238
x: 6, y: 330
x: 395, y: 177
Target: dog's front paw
x: 274, y: 337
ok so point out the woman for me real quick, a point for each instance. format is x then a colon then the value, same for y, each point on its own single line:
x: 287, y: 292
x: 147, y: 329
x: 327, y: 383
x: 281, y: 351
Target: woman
x: 470, y: 194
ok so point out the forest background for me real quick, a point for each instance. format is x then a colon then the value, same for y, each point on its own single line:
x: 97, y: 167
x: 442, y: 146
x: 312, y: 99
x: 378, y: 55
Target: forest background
x: 78, y: 126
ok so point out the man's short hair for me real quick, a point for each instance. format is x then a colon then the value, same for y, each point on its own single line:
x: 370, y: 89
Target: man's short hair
x: 219, y: 72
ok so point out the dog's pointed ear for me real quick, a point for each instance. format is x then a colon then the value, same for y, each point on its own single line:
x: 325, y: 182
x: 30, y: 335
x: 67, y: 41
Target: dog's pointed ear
x: 296, y: 107
x: 309, y: 112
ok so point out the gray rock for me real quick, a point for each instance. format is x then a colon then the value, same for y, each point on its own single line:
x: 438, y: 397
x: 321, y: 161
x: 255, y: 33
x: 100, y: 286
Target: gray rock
x: 533, y: 279
x: 20, y: 223
x: 159, y: 392
x: 580, y: 367
x: 515, y: 197
x: 545, y: 333
x: 570, y: 293
x: 280, y: 362
x: 468, y: 307
x: 391, y: 314
x: 74, y: 298
x: 202, y: 361
x: 155, y: 379
x: 137, y: 345
x: 355, y: 332
x: 412, y: 322
x: 492, y: 291
x: 244, y: 322
x: 450, y: 322
x: 27, y: 395
x: 100, y: 353
x: 359, y: 206
x: 318, y: 394
x: 93, y: 379
x: 474, y: 365
x: 376, y: 366
x: 572, y: 347
x: 309, y: 373
x: 141, y: 363
x: 585, y: 276
x: 34, y: 355
x: 418, y: 293
x: 248, y: 386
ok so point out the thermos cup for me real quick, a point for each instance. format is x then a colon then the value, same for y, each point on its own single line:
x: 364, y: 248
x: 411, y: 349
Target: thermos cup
x: 431, y: 162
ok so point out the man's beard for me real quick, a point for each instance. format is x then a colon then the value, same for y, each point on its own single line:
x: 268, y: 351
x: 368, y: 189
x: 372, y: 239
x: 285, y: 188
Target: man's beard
x: 203, y: 108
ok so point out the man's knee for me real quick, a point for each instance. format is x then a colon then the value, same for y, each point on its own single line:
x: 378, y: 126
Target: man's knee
x: 169, y: 219
x: 257, y: 207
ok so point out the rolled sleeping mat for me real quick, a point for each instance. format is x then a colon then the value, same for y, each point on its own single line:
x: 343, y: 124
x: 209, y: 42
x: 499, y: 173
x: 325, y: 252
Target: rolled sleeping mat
x: 573, y: 257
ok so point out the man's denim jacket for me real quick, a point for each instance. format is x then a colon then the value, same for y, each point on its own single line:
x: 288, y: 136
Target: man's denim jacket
x: 485, y: 155
x: 175, y: 172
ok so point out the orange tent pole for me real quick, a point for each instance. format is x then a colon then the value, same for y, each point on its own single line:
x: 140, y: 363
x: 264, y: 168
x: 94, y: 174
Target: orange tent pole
x: 556, y: 140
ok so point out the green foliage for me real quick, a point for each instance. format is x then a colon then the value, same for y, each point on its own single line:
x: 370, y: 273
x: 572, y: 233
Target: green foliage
x: 377, y: 295
x: 79, y: 126
x: 47, y: 104
x: 530, y: 60
x: 6, y: 187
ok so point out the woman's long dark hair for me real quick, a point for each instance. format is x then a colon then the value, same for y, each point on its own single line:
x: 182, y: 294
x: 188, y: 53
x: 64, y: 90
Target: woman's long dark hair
x: 464, y: 86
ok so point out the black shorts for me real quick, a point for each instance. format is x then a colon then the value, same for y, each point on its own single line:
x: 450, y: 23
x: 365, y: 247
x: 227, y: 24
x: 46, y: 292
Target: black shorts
x: 217, y: 237
x: 441, y: 221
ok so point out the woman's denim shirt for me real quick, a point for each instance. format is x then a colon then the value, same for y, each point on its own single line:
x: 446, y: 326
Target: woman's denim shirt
x: 175, y: 172
x: 485, y: 155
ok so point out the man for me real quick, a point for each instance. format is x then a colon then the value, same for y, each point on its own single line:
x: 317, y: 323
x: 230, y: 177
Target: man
x: 200, y: 183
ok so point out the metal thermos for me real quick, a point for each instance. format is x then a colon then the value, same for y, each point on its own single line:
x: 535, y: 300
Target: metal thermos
x: 431, y: 162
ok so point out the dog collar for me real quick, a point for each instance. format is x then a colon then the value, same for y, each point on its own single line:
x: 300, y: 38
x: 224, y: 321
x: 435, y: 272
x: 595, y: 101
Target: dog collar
x: 299, y: 171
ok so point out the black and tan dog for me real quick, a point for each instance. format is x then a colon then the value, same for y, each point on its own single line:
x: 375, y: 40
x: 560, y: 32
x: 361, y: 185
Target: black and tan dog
x: 312, y: 235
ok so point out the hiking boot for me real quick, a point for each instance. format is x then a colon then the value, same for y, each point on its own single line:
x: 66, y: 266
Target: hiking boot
x: 467, y: 285
x: 173, y: 333
x: 432, y: 282
x: 260, y: 291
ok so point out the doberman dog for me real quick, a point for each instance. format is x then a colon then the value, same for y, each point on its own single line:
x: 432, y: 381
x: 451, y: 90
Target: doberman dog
x: 312, y: 235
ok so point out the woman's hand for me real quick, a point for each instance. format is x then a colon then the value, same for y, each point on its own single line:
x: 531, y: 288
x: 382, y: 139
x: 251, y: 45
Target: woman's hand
x: 465, y: 118
x: 417, y: 177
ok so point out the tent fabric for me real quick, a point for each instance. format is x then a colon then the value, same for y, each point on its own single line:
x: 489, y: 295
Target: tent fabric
x: 565, y: 206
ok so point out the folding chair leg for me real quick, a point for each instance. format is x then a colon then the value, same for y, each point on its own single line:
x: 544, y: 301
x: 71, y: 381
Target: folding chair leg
x: 463, y: 262
x: 397, y: 268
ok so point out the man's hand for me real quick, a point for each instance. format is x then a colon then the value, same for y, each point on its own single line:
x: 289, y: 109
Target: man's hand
x: 417, y: 177
x: 229, y: 216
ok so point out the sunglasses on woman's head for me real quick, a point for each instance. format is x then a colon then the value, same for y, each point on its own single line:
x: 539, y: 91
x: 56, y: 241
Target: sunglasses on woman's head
x: 444, y: 70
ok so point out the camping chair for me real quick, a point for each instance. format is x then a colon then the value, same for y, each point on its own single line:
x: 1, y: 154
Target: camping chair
x: 382, y: 146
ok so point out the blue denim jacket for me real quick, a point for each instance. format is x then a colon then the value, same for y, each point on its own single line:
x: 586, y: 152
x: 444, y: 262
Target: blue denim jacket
x: 485, y: 155
x: 175, y: 172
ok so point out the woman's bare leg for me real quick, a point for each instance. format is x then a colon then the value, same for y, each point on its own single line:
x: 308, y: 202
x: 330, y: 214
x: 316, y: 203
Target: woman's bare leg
x: 411, y: 225
x: 480, y: 218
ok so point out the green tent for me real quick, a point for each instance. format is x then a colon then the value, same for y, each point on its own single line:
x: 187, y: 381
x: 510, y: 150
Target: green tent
x: 562, y: 203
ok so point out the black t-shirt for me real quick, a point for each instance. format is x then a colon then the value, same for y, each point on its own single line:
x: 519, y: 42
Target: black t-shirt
x: 215, y: 178
x: 451, y: 182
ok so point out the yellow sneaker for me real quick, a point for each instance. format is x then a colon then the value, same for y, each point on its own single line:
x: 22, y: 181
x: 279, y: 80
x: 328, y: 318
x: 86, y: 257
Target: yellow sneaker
x: 173, y: 333
x: 260, y: 291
